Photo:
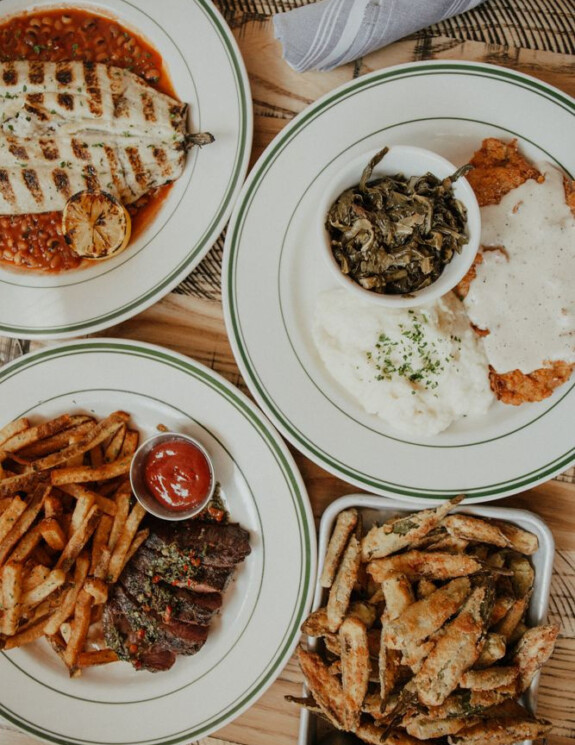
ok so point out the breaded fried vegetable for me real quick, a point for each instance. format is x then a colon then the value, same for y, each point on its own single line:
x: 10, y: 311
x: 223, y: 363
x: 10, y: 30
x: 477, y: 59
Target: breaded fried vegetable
x: 475, y: 529
x: 355, y: 668
x: 326, y: 690
x: 506, y: 627
x: 391, y: 537
x: 316, y: 623
x: 505, y: 730
x: 342, y: 586
x: 494, y: 649
x: 486, y: 680
x: 426, y: 729
x: 417, y: 564
x: 523, y: 576
x: 532, y: 652
x: 398, y: 595
x: 456, y: 651
x: 344, y: 526
x: 375, y: 735
x: 521, y: 540
x: 425, y: 617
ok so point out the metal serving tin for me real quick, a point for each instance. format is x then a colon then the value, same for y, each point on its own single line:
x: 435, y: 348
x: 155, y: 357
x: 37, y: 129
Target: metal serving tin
x: 375, y: 509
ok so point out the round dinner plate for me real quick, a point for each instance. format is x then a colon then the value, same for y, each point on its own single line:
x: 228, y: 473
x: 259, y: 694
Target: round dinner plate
x: 258, y: 627
x: 208, y: 73
x: 274, y: 272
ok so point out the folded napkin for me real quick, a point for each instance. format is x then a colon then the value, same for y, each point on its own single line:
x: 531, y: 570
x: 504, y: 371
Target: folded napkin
x: 330, y: 33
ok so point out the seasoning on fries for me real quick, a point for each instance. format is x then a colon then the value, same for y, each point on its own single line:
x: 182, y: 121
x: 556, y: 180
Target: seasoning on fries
x: 423, y: 633
x: 68, y: 526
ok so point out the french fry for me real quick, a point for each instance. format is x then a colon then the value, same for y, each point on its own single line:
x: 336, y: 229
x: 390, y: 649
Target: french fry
x: 10, y: 515
x: 27, y: 544
x: 96, y: 657
x: 79, y: 539
x: 122, y: 500
x: 130, y: 444
x: 13, y: 428
x: 97, y: 588
x: 97, y: 434
x: 18, y: 483
x: 31, y: 435
x: 124, y: 541
x: 11, y: 578
x: 114, y: 447
x: 82, y: 474
x: 25, y: 636
x: 53, y: 581
x: 108, y: 506
x: 100, y: 550
x: 24, y: 522
x: 35, y: 576
x: 80, y: 628
x: 141, y: 536
x: 68, y: 604
x: 79, y: 426
x: 52, y: 533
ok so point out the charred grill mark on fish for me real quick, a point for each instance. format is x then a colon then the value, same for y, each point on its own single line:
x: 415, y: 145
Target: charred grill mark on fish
x: 93, y: 86
x: 36, y: 73
x: 91, y: 178
x: 40, y: 114
x: 9, y: 74
x: 121, y: 105
x: 80, y: 150
x: 49, y: 149
x: 64, y: 74
x: 162, y: 160
x: 17, y: 150
x: 61, y: 181
x: 30, y: 178
x: 114, y: 167
x: 66, y: 101
x: 148, y: 107
x: 169, y: 593
x: 140, y: 173
x: 6, y: 187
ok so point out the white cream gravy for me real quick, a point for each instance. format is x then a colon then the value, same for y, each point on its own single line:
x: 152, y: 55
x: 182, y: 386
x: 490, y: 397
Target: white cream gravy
x: 525, y: 295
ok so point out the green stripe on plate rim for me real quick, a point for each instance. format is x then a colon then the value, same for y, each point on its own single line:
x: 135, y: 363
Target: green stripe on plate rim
x: 224, y: 35
x: 293, y: 482
x: 234, y: 237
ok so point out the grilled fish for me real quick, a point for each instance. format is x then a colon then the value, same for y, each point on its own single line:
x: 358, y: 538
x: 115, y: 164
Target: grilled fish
x: 70, y: 126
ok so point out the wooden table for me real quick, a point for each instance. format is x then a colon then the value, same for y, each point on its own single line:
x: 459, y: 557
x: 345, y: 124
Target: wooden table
x: 193, y: 324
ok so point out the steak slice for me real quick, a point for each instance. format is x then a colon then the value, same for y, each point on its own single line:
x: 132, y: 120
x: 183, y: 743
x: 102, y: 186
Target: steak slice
x: 176, y: 603
x: 214, y: 544
x: 122, y: 635
x: 152, y: 629
x: 178, y: 571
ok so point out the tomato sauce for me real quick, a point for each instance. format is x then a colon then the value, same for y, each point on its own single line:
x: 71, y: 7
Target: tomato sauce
x: 35, y: 241
x: 178, y: 475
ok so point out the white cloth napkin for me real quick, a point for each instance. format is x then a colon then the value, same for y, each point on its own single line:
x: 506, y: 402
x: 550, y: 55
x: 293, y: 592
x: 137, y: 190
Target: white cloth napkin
x: 330, y: 33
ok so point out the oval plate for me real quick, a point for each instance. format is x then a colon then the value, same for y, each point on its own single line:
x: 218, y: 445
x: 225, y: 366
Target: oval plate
x: 258, y: 628
x: 208, y: 73
x: 274, y: 271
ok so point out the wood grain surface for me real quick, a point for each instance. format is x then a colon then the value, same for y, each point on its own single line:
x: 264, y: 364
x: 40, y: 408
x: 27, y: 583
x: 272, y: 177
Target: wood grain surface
x: 190, y: 321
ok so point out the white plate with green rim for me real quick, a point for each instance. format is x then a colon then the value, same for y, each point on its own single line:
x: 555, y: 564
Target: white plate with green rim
x: 207, y: 72
x: 274, y: 271
x: 258, y: 627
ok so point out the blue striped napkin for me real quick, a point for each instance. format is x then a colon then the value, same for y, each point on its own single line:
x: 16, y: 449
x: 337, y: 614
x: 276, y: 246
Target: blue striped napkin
x: 330, y: 33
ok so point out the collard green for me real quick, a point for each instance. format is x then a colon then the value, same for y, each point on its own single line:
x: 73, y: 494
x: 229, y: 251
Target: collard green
x: 396, y: 234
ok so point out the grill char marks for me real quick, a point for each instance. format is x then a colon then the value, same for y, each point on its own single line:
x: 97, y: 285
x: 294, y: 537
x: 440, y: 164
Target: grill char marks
x: 167, y: 596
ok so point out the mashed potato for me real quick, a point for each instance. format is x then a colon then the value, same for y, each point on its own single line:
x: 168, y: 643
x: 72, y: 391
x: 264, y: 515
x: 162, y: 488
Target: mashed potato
x: 419, y: 369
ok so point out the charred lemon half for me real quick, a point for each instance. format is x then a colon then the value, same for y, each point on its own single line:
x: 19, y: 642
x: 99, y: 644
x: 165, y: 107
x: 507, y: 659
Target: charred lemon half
x: 96, y: 225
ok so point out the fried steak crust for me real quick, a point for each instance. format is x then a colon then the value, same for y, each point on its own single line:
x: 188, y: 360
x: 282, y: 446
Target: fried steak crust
x: 499, y: 168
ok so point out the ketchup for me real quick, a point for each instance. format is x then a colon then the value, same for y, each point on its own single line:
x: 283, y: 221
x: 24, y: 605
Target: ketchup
x: 177, y: 475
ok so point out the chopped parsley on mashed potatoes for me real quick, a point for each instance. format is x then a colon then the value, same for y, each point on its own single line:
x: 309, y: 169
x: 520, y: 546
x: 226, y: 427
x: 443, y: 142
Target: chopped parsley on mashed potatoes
x: 418, y: 369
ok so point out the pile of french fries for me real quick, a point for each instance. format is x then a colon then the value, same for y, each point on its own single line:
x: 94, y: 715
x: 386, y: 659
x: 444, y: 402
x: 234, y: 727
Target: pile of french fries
x: 68, y: 526
x: 423, y: 633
